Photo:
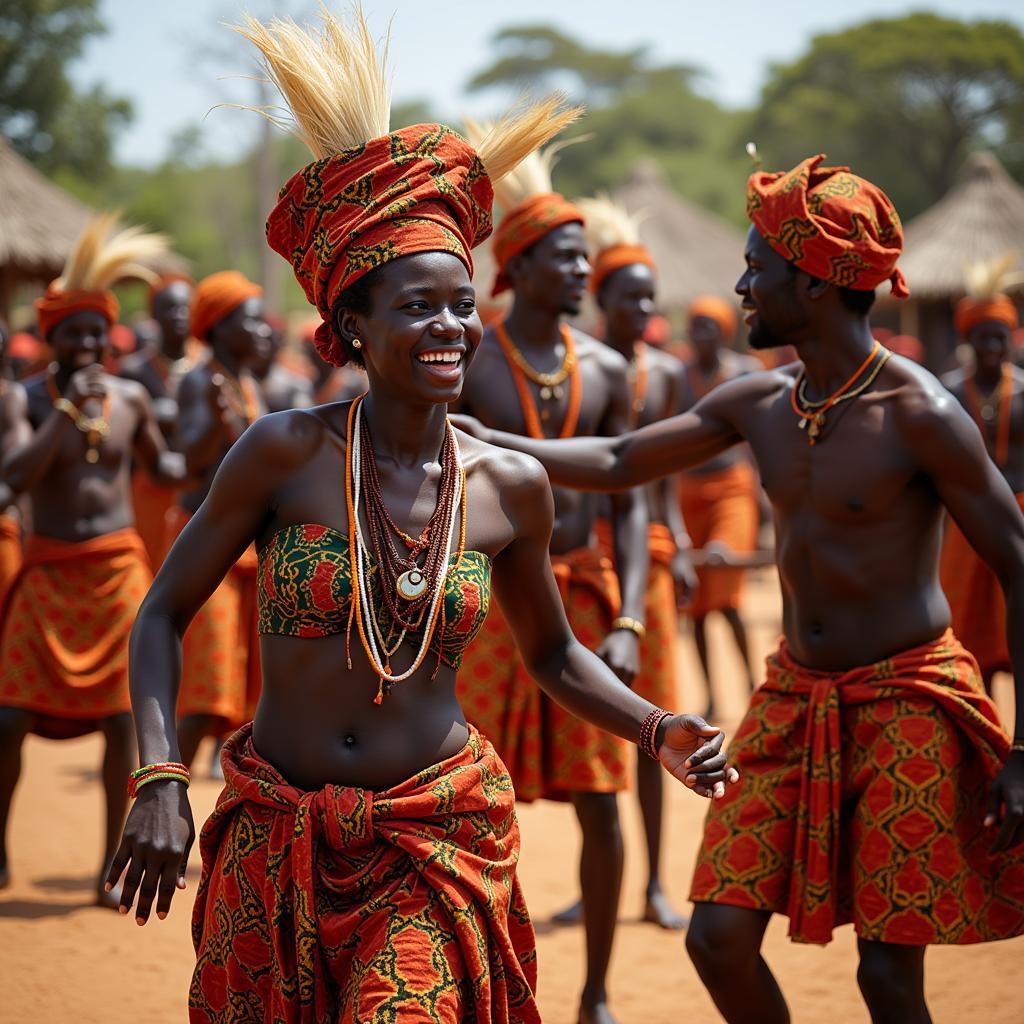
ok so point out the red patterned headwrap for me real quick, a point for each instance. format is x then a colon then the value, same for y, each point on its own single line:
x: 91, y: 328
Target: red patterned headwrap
x: 57, y: 305
x: 721, y: 312
x: 526, y: 224
x: 217, y: 297
x: 971, y: 312
x: 615, y: 257
x: 419, y: 189
x: 830, y: 223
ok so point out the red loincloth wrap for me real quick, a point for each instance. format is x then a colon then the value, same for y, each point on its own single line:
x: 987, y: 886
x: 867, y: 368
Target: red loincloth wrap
x: 976, y: 601
x: 220, y: 656
x: 549, y: 752
x: 64, y: 646
x: 656, y: 681
x: 720, y: 508
x: 861, y: 799
x: 10, y: 556
x: 152, y: 503
x: 345, y: 905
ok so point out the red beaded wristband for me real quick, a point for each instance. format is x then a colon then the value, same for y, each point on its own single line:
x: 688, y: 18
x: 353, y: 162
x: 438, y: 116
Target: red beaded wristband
x: 649, y: 730
x: 174, y: 770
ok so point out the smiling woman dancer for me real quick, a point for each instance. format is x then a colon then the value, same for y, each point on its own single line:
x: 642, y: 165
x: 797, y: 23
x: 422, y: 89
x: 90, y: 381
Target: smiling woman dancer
x: 361, y: 861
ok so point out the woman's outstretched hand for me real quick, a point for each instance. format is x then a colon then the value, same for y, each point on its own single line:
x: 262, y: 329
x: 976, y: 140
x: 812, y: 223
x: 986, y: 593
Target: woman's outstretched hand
x: 691, y: 750
x: 154, y: 849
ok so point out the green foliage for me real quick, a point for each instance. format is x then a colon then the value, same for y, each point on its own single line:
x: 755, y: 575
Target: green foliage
x: 40, y: 112
x: 902, y: 101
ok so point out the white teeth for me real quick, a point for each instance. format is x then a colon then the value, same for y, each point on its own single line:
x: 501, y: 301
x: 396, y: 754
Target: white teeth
x: 440, y: 357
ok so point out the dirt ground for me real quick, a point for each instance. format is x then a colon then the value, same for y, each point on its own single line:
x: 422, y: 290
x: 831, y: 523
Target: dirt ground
x: 61, y: 959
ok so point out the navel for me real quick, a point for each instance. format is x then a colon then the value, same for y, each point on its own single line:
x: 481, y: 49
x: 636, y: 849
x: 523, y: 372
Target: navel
x: 350, y: 740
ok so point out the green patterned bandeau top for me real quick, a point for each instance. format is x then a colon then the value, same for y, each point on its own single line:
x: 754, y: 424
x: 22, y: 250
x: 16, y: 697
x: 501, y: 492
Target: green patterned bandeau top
x: 305, y: 590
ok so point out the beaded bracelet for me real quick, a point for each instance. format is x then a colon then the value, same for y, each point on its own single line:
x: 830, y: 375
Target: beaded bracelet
x: 649, y: 731
x: 152, y: 772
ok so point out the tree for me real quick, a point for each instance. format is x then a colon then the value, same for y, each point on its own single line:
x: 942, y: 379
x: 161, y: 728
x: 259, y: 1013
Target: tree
x: 40, y: 111
x: 902, y: 101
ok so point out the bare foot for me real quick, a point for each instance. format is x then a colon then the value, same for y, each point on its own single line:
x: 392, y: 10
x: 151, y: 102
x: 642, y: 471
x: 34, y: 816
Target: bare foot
x: 571, y: 915
x: 596, y: 1014
x: 659, y: 911
x: 111, y: 900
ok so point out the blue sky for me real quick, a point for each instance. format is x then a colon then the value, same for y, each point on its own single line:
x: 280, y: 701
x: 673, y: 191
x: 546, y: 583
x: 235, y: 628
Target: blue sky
x: 171, y: 58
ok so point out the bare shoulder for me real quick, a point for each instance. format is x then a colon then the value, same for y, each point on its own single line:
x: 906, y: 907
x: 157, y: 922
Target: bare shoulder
x: 587, y: 347
x: 131, y: 390
x: 757, y: 385
x: 666, y: 364
x: 520, y: 479
x: 135, y: 364
x: 283, y: 441
x: 927, y: 412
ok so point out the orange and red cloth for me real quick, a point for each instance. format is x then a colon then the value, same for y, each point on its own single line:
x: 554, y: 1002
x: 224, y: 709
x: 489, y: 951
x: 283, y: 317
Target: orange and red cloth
x: 57, y: 305
x: 343, y: 904
x: 217, y: 297
x: 861, y: 799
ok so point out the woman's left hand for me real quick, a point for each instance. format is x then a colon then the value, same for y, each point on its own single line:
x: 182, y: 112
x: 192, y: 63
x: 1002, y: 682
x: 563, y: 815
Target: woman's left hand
x: 691, y: 750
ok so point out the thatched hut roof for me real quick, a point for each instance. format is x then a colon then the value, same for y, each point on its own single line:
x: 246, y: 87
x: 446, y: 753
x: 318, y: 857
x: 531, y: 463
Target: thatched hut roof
x: 697, y: 252
x: 38, y: 221
x: 980, y: 219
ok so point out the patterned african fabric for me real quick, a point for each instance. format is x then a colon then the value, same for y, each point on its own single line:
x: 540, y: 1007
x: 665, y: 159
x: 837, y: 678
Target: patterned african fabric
x: 64, y: 645
x: 220, y: 654
x: 419, y: 189
x: 549, y: 752
x: 656, y: 680
x: 305, y: 590
x: 861, y: 799
x: 347, y: 905
x: 830, y: 223
x: 525, y: 225
x: 152, y: 503
x: 10, y: 555
x: 976, y: 602
x: 720, y: 508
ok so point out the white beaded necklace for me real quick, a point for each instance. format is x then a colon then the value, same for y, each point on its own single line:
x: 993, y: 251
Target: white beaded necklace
x: 366, y: 612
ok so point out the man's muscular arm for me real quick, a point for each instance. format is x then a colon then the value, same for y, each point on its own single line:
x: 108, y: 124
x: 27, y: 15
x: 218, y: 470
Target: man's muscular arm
x: 618, y: 463
x: 949, y: 447
x: 163, y: 465
x: 203, y: 430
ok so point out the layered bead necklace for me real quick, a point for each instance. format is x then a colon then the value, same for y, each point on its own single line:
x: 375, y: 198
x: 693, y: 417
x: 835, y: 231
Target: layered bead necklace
x: 241, y: 392
x: 95, y: 428
x: 812, y: 414
x: 411, y: 593
x: 549, y: 384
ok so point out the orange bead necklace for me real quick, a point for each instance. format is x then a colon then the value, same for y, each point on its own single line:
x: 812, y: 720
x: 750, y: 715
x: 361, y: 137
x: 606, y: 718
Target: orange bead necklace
x: 983, y: 413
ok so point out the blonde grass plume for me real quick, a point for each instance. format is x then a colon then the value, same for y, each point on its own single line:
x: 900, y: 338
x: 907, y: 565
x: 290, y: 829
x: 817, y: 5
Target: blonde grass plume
x: 334, y: 82
x: 608, y: 222
x: 986, y: 279
x: 102, y: 256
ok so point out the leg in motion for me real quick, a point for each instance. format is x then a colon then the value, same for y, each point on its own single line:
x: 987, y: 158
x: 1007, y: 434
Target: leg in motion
x: 14, y: 726
x: 650, y: 793
x: 739, y: 632
x: 891, y: 979
x: 119, y: 759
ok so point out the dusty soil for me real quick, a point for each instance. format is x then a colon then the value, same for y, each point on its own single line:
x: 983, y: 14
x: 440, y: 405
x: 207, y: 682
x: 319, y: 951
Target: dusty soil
x: 62, y: 959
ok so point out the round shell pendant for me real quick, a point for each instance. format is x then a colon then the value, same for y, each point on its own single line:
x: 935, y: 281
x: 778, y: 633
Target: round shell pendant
x: 545, y: 394
x: 91, y: 455
x: 411, y: 585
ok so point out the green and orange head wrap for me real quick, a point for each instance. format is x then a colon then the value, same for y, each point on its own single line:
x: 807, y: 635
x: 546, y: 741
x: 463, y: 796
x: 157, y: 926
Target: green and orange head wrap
x: 373, y: 195
x: 829, y: 223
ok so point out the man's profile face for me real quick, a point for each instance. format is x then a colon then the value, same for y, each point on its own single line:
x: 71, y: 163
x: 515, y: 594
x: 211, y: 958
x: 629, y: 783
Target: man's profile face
x: 768, y: 290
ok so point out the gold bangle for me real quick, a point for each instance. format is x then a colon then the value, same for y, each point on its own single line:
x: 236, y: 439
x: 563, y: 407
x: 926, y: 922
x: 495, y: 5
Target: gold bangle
x: 633, y: 625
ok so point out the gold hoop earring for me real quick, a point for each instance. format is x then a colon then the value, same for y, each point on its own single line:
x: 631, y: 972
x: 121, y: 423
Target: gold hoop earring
x: 356, y: 343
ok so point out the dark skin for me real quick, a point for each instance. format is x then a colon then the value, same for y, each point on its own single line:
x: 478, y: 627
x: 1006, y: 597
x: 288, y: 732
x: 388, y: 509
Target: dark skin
x: 10, y: 392
x: 282, y: 388
x: 858, y: 524
x: 627, y: 300
x: 74, y: 500
x: 211, y: 420
x: 549, y: 281
x: 289, y: 468
x: 715, y: 363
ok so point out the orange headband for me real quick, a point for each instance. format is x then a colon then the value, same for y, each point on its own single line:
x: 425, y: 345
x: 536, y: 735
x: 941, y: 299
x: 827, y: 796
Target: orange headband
x: 615, y: 257
x: 217, y: 297
x: 971, y: 312
x: 526, y: 224
x: 723, y: 313
x: 57, y: 305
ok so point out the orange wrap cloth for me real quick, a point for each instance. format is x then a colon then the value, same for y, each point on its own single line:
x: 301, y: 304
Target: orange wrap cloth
x: 349, y: 905
x: 830, y: 223
x: 10, y: 556
x: 971, y: 312
x: 57, y: 305
x: 861, y: 798
x: 152, y: 503
x: 720, y: 508
x: 64, y: 645
x: 419, y: 189
x: 220, y: 656
x: 217, y: 297
x: 525, y: 225
x: 656, y: 680
x: 976, y: 602
x: 713, y: 308
x: 615, y: 257
x: 549, y: 752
